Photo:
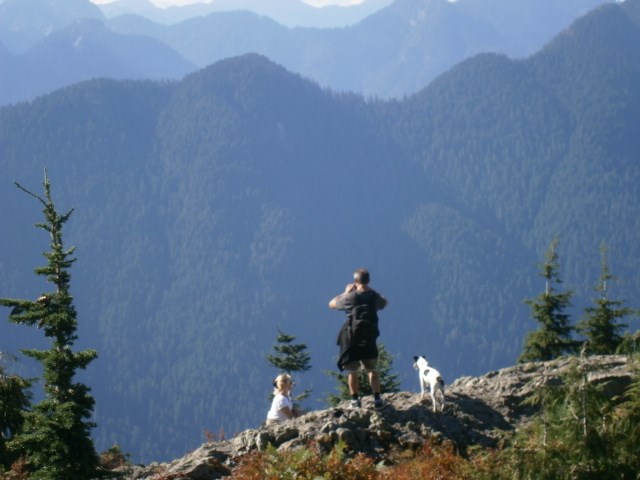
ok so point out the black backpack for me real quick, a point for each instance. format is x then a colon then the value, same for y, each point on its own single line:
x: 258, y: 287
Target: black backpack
x: 363, y: 321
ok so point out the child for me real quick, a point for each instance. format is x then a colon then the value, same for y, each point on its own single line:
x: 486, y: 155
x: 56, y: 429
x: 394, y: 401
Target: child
x: 282, y: 405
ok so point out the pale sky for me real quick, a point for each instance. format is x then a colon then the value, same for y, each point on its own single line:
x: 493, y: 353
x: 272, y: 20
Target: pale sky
x: 315, y: 3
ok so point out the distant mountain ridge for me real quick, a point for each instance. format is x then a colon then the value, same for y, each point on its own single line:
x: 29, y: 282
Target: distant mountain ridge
x: 211, y: 211
x: 393, y: 52
x: 290, y: 13
x: 84, y: 50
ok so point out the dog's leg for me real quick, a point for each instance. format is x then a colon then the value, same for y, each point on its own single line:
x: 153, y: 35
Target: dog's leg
x: 432, y: 390
x: 440, y: 395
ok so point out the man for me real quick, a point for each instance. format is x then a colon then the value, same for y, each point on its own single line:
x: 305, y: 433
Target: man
x: 357, y: 337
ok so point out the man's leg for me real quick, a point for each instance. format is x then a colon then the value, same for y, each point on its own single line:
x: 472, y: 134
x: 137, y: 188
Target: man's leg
x: 371, y: 366
x: 374, y: 381
x: 352, y: 381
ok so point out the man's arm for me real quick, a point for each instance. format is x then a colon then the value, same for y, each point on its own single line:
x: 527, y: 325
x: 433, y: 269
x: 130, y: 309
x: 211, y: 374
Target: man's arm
x: 381, y: 302
x: 334, y: 302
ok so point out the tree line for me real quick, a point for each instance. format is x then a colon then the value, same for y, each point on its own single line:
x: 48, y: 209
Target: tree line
x: 601, y: 326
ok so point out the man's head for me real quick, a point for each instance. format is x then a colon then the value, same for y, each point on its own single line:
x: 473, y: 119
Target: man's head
x: 361, y: 276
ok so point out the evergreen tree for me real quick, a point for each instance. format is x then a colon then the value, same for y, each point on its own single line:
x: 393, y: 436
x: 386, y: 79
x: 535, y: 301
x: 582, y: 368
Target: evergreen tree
x: 553, y: 339
x: 290, y: 357
x: 55, y: 438
x: 389, y: 382
x: 600, y: 325
x: 15, y: 398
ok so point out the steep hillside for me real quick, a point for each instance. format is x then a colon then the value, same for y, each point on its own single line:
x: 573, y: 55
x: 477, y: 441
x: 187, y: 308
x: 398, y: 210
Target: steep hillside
x: 605, y: 138
x: 214, y: 210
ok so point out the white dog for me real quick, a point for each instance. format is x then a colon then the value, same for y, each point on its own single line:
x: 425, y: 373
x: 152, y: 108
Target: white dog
x: 431, y: 377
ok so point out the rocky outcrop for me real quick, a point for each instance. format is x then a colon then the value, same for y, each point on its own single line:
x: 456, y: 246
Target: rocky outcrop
x: 477, y: 410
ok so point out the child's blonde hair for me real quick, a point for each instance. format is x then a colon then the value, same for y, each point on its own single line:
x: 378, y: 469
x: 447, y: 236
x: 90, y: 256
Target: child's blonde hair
x: 280, y: 381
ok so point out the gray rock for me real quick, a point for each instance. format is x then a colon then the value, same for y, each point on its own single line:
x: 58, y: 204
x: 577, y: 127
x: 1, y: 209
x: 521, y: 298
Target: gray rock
x: 477, y: 410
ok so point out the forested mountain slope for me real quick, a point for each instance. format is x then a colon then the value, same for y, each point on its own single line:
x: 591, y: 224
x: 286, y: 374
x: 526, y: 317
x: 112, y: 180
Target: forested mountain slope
x: 214, y: 210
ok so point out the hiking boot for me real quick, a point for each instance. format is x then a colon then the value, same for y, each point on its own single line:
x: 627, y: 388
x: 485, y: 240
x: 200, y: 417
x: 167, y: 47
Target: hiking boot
x: 378, y: 404
x: 355, y: 403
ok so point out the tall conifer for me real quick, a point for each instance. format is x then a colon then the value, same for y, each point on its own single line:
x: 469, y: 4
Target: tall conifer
x: 600, y: 325
x: 55, y: 438
x: 553, y: 338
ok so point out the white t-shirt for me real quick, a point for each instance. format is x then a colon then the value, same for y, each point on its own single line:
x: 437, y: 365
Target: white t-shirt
x: 279, y: 402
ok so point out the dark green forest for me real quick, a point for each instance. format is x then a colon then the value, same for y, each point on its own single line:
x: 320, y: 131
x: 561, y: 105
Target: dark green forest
x: 213, y: 211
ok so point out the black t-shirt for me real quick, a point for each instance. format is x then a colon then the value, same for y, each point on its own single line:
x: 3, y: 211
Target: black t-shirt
x: 352, y: 299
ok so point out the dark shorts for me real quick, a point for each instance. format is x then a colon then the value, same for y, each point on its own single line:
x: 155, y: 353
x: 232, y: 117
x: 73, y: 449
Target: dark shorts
x: 368, y: 365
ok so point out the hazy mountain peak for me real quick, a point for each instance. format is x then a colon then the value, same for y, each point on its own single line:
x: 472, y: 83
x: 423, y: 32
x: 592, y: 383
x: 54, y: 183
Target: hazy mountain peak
x: 25, y: 22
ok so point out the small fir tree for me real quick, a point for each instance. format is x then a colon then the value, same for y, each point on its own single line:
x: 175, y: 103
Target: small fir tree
x: 15, y: 399
x: 553, y: 339
x: 290, y: 357
x: 55, y: 438
x: 389, y: 382
x: 576, y: 434
x: 600, y: 325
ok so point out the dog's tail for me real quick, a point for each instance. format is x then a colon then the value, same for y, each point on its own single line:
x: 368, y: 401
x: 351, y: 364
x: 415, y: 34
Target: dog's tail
x: 440, y: 380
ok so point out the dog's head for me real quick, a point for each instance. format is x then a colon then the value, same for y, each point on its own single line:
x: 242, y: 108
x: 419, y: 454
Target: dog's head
x: 420, y: 363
